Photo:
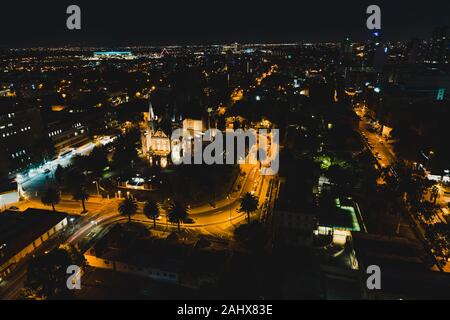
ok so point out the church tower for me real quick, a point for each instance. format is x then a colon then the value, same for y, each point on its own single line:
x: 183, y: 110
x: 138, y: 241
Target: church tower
x: 155, y: 142
x: 151, y: 118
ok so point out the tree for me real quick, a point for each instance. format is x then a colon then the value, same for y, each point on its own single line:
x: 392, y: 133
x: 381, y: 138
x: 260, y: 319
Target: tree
x: 80, y: 194
x: 75, y: 181
x: 108, y: 186
x: 434, y: 194
x: 42, y: 148
x: 342, y: 177
x: 98, y: 160
x: 59, y: 174
x: 249, y: 203
x: 439, y: 234
x: 151, y: 210
x: 128, y: 207
x: 253, y: 235
x: 51, y: 197
x: 428, y: 210
x: 125, y: 155
x: 411, y: 185
x: 124, y: 159
x: 80, y: 163
x: 46, y: 276
x: 177, y: 213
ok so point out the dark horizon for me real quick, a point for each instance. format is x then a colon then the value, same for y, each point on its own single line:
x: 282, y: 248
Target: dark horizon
x: 156, y: 23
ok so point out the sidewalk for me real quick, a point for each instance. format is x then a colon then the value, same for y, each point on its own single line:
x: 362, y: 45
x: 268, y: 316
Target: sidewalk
x: 67, y: 205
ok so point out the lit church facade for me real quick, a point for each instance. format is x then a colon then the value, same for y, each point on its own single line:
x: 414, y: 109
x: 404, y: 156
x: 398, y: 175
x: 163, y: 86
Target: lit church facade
x: 155, y: 142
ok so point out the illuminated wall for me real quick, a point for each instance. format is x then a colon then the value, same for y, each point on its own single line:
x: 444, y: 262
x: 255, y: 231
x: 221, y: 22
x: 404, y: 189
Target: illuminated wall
x: 8, y: 198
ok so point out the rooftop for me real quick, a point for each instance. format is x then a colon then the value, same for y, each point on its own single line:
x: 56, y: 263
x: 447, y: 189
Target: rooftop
x: 133, y: 244
x: 18, y: 230
x: 405, y: 268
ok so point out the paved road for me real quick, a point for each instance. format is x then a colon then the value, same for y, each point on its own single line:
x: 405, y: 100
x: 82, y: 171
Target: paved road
x: 33, y: 180
x: 377, y: 144
x: 218, y: 222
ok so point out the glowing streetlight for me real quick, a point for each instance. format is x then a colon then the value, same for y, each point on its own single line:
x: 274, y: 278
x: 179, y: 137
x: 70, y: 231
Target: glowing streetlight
x: 96, y: 183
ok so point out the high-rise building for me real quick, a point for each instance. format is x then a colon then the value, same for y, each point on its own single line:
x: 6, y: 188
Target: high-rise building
x: 437, y: 50
x: 376, y: 52
x: 347, y: 50
x: 66, y: 130
x: 412, y: 51
x: 21, y: 133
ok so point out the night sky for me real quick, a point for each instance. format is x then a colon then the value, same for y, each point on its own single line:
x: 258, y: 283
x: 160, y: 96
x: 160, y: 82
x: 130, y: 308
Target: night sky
x: 149, y: 22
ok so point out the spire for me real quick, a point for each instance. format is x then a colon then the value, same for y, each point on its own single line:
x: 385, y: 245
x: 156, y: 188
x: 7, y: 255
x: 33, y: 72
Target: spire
x: 151, y: 113
x: 151, y: 117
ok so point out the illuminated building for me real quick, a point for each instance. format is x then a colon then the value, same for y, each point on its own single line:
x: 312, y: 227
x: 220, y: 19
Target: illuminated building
x: 9, y: 194
x: 194, y: 127
x: 21, y: 233
x: 101, y: 55
x: 21, y: 129
x: 437, y: 52
x: 376, y: 53
x: 155, y: 142
x: 66, y: 132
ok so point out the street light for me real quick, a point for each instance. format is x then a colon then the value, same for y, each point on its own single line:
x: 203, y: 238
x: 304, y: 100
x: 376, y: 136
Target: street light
x: 98, y: 190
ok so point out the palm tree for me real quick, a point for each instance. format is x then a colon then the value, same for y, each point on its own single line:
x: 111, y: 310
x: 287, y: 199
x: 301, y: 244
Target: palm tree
x: 151, y: 210
x: 177, y: 213
x: 434, y: 194
x: 128, y: 207
x: 80, y: 194
x: 249, y: 203
x: 428, y: 210
x: 51, y: 197
x: 75, y: 182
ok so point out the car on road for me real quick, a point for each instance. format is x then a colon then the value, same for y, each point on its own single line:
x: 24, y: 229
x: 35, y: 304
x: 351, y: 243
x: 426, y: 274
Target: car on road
x: 189, y: 220
x: 47, y: 171
x: 13, y: 208
x: 66, y: 153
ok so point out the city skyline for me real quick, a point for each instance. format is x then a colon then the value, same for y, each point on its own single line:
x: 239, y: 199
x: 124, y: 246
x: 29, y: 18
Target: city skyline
x: 154, y: 23
x: 313, y: 167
